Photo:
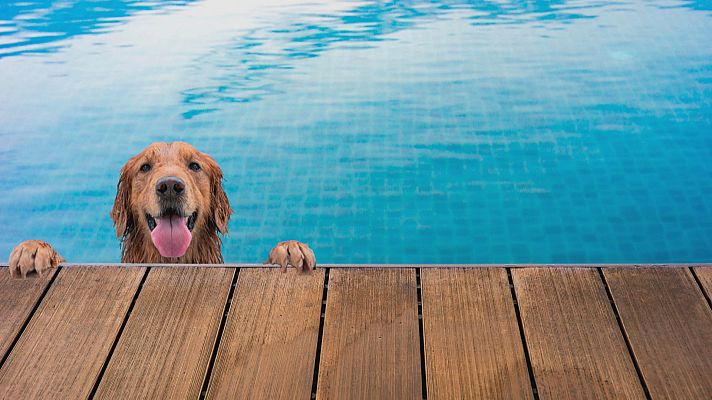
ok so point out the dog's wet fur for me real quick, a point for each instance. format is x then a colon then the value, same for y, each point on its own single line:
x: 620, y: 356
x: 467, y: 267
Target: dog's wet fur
x: 204, y: 201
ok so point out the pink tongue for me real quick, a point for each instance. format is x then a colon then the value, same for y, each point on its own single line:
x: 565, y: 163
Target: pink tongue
x: 171, y: 236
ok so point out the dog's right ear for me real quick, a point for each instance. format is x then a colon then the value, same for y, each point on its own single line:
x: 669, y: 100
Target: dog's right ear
x: 121, y: 213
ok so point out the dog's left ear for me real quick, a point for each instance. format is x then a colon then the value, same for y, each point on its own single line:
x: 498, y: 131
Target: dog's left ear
x: 221, y: 209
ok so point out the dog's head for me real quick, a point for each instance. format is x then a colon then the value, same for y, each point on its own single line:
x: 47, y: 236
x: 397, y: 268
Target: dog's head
x: 170, y: 192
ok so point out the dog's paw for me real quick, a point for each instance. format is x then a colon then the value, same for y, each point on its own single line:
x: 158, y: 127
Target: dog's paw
x: 33, y: 256
x: 293, y: 253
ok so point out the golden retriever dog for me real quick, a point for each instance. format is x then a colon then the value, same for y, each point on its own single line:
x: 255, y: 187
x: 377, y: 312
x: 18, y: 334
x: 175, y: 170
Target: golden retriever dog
x: 170, y: 207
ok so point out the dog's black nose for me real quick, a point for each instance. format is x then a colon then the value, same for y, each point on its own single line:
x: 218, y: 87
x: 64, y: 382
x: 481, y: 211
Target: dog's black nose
x: 170, y: 186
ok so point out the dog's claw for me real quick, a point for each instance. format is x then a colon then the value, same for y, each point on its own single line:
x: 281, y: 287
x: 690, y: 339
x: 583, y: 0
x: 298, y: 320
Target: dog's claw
x: 33, y: 256
x: 293, y: 253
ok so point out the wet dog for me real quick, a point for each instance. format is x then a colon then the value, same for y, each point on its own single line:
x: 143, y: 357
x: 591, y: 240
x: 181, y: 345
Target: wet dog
x: 170, y: 207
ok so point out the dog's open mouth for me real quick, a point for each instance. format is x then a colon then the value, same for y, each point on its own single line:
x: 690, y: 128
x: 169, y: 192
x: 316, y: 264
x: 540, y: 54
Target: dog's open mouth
x: 171, y: 232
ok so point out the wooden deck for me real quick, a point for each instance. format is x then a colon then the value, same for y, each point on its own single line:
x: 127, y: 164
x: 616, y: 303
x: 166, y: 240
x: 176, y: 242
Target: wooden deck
x: 407, y: 332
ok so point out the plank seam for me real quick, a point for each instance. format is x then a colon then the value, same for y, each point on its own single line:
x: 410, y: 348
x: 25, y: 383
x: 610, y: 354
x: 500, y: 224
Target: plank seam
x: 702, y: 288
x: 29, y: 317
x: 624, y: 333
x: 218, y: 338
x: 102, y: 371
x: 419, y: 289
x: 322, y: 317
x: 530, y: 369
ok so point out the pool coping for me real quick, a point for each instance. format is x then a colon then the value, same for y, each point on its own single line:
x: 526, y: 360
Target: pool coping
x: 414, y: 265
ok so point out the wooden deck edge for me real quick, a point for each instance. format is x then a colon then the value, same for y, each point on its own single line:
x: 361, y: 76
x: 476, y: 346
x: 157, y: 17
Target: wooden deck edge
x: 246, y: 265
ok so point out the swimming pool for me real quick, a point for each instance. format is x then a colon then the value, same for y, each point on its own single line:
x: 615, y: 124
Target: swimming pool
x: 385, y: 132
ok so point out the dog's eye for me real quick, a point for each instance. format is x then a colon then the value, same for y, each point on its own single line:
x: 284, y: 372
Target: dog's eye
x: 194, y: 166
x: 145, y: 167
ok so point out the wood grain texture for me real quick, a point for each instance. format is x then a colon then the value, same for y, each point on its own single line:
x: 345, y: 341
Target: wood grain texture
x: 17, y: 299
x: 268, y: 346
x: 370, y: 344
x: 669, y: 326
x: 167, y: 342
x: 473, y: 349
x: 704, y: 274
x: 576, y: 348
x: 63, y: 348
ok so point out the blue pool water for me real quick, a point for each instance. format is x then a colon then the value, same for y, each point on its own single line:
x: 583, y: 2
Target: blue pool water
x: 391, y: 132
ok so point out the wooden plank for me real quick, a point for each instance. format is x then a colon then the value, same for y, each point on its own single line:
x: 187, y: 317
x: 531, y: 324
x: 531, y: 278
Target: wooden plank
x: 17, y: 299
x: 576, y: 348
x: 669, y: 326
x: 704, y: 274
x: 268, y: 346
x: 473, y: 349
x: 167, y: 342
x: 370, y: 344
x: 63, y: 348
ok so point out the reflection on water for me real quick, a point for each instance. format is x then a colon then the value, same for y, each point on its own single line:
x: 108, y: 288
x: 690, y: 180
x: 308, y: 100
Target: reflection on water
x: 245, y: 67
x: 698, y: 5
x: 410, y: 131
x: 45, y: 25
